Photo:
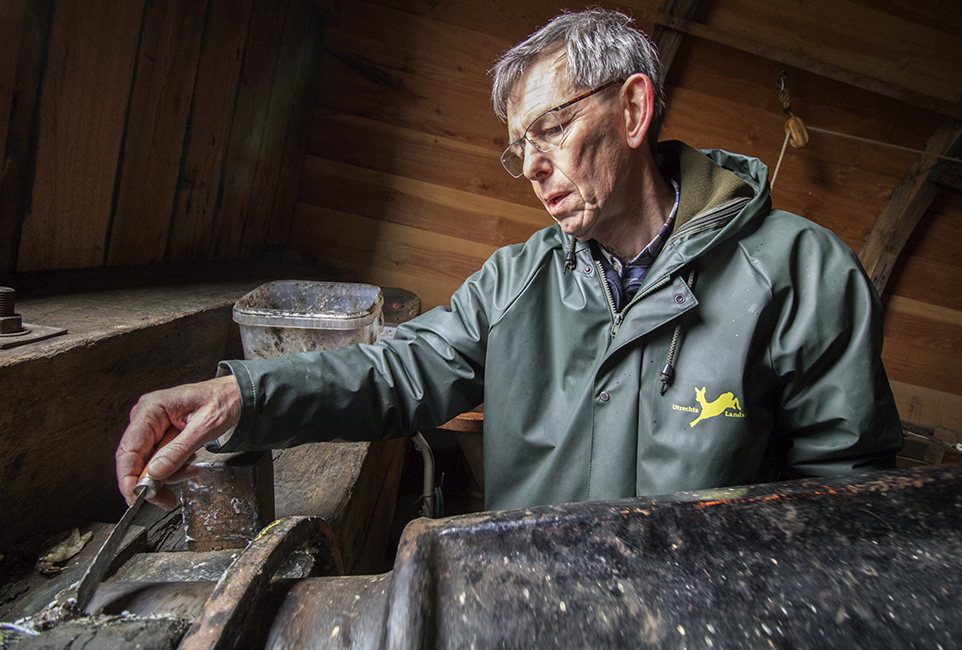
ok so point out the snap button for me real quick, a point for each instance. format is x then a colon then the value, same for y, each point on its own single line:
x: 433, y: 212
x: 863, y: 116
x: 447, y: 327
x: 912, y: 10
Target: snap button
x: 604, y: 397
x: 588, y: 269
x: 679, y: 298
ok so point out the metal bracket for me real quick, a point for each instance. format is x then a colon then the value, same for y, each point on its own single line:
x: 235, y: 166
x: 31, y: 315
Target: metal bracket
x: 29, y: 334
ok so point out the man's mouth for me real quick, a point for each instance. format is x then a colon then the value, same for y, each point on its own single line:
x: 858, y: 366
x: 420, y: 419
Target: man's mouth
x: 556, y: 200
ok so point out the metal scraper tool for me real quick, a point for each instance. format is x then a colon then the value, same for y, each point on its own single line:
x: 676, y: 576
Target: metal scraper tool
x: 146, y: 488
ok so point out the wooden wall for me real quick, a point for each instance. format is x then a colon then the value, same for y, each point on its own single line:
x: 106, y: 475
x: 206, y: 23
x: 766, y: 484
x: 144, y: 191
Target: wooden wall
x: 402, y: 184
x: 141, y: 131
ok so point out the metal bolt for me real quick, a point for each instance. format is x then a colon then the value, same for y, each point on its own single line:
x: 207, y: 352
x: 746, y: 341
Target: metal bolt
x: 6, y: 301
x: 10, y: 323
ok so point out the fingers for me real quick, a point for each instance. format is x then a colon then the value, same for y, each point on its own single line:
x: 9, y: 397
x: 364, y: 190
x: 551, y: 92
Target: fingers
x: 201, y: 412
x: 165, y: 498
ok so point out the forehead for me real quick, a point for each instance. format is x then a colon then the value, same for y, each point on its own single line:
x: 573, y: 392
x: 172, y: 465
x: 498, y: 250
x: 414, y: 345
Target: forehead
x: 543, y: 86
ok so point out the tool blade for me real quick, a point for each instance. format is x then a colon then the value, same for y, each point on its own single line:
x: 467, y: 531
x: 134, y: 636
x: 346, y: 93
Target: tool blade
x: 98, y: 568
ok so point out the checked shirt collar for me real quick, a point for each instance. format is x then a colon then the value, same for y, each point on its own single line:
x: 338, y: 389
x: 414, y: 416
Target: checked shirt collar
x: 625, y: 279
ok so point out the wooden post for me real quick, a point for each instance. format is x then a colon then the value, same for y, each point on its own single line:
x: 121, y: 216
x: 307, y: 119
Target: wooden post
x: 908, y: 203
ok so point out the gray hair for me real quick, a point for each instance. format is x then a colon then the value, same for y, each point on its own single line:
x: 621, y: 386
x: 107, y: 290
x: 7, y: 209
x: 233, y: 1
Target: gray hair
x: 601, y: 46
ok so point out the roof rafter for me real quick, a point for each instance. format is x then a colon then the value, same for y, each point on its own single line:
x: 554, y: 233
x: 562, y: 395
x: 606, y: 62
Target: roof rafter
x: 803, y: 62
x: 907, y: 204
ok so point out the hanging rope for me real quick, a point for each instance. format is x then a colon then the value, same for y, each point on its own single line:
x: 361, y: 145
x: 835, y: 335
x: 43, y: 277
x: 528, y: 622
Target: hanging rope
x: 884, y: 144
x: 795, y: 132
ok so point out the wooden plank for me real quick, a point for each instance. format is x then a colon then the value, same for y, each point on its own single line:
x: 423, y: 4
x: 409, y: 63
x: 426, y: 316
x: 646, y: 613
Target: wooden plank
x: 282, y: 212
x: 285, y: 130
x: 926, y: 406
x: 934, y: 240
x: 505, y: 20
x: 229, y: 501
x: 425, y: 253
x: 926, y: 281
x: 192, y: 236
x: 355, y: 476
x: 439, y: 86
x: 668, y: 40
x: 935, y: 313
x: 418, y: 102
x: 73, y: 394
x: 948, y: 174
x: 915, y: 328
x: 429, y: 264
x: 910, y: 199
x: 244, y: 147
x: 418, y: 204
x: 804, y: 62
x: 18, y: 164
x: 838, y: 183
x: 11, y: 28
x: 925, y: 363
x: 858, y: 36
x: 711, y: 72
x: 80, y: 130
x: 157, y: 125
x: 382, y: 37
x: 412, y: 153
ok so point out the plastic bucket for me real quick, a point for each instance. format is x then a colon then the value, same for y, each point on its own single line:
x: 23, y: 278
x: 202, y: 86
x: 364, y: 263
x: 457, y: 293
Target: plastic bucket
x: 299, y: 316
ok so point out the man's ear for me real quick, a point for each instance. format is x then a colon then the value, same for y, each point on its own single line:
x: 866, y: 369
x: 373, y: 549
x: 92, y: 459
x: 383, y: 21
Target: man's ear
x: 639, y: 104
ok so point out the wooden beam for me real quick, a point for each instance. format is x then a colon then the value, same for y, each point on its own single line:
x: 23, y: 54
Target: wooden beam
x: 909, y: 201
x: 668, y: 40
x: 948, y: 174
x: 804, y: 62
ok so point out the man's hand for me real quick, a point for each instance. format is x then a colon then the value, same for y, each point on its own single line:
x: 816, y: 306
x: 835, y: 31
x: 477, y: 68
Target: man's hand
x: 201, y: 412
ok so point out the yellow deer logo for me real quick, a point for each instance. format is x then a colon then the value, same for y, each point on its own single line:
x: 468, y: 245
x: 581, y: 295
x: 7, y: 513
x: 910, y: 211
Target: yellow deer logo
x: 711, y: 409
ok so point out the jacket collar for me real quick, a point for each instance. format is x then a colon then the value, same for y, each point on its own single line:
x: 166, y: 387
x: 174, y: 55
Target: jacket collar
x: 704, y: 183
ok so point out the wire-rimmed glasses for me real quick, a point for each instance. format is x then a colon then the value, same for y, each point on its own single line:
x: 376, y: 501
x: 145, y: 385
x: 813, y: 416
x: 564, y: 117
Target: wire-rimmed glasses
x: 544, y: 133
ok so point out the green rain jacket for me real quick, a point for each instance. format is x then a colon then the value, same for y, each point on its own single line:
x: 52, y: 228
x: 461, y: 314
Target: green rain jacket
x: 777, y: 372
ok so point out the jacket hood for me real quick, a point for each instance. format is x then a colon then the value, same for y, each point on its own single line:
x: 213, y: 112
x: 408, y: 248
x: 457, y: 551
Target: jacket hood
x: 720, y: 191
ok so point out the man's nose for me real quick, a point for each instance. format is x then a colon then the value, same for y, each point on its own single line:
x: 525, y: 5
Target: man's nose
x: 537, y: 164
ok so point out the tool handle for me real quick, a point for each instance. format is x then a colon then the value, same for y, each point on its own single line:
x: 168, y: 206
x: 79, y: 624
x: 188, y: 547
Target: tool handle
x: 146, y: 484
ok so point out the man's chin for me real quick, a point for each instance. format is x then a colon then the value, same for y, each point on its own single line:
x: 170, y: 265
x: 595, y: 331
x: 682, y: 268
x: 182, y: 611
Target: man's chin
x: 570, y: 226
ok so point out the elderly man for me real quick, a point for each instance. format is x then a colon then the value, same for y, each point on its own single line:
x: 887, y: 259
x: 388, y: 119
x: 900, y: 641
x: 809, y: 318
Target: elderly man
x: 670, y: 332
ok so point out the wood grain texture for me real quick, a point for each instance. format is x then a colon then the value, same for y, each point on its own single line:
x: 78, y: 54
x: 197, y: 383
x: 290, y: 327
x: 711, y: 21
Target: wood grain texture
x: 281, y: 149
x: 81, y: 125
x: 861, y: 37
x: 926, y: 406
x: 909, y: 201
x: 27, y: 52
x: 295, y: 146
x: 64, y: 413
x: 415, y: 154
x: 429, y: 264
x: 246, y: 142
x: 666, y: 39
x: 420, y: 204
x: 11, y: 29
x: 157, y: 123
x: 192, y: 236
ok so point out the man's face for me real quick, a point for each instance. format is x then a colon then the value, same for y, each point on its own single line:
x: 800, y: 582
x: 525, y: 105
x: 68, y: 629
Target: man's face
x: 582, y: 181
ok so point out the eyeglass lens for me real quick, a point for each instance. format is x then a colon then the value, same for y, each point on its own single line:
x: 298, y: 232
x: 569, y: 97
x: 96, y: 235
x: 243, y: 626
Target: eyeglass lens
x: 544, y: 134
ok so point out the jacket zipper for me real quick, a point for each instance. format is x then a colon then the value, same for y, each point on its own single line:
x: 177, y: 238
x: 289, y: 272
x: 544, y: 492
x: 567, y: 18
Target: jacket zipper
x: 708, y: 220
x: 619, y: 316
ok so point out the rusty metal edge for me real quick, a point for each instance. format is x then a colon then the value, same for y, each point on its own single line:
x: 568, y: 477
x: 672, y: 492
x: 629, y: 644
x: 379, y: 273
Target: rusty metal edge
x: 247, y: 579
